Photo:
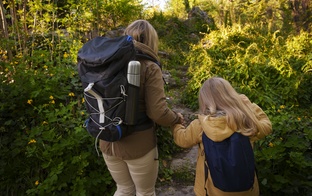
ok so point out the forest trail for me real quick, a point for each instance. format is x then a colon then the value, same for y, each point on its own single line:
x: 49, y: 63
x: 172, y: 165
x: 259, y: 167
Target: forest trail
x: 183, y: 164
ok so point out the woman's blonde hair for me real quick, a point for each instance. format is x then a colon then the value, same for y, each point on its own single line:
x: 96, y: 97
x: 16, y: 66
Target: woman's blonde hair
x: 142, y: 31
x: 218, y: 96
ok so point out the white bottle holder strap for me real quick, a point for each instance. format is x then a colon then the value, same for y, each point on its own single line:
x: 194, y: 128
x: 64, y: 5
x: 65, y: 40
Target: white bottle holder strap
x: 89, y: 90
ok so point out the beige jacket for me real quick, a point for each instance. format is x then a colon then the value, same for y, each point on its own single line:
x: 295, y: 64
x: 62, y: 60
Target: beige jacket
x: 153, y: 102
x: 217, y: 130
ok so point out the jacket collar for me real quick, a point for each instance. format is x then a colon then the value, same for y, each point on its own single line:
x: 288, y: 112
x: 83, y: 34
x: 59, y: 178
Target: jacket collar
x: 145, y: 50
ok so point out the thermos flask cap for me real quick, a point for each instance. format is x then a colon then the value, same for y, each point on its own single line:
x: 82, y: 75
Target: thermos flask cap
x: 134, y: 67
x: 133, y: 76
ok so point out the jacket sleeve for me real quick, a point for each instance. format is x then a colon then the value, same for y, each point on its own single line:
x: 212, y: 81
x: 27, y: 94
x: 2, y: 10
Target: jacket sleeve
x: 264, y: 126
x: 156, y: 105
x: 189, y: 136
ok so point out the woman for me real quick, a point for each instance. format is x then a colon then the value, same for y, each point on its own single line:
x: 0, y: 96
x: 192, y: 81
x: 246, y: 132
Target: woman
x: 223, y: 112
x: 133, y: 161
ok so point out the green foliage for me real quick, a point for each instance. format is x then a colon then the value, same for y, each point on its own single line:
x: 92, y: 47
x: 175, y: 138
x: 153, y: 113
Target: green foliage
x: 166, y: 148
x: 175, y: 40
x: 177, y: 8
x: 123, y: 11
x: 269, y: 16
x: 284, y: 157
x: 182, y: 177
x: 45, y: 148
x: 267, y: 68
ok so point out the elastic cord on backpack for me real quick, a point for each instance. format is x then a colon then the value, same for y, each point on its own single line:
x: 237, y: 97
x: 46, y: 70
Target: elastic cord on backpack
x: 96, y: 141
x: 116, y: 122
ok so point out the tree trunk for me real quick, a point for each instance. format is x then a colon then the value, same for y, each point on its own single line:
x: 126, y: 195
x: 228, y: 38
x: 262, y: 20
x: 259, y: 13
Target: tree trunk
x: 25, y: 26
x: 187, y: 6
x: 307, y: 14
x: 15, y: 25
x: 301, y: 14
x: 4, y: 26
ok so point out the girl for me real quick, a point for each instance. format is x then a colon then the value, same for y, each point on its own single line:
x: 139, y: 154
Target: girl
x: 222, y: 112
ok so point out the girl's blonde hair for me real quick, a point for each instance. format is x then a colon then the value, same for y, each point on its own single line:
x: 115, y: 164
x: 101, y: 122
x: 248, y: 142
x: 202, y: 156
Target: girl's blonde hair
x: 218, y: 96
x: 142, y: 31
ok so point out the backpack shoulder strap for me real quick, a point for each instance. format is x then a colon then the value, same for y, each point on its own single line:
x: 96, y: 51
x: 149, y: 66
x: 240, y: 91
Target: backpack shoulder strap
x: 148, y: 57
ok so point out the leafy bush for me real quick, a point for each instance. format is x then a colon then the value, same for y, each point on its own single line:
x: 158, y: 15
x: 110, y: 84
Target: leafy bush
x: 267, y: 68
x: 45, y: 148
x: 285, y: 157
x: 166, y: 148
x: 174, y: 40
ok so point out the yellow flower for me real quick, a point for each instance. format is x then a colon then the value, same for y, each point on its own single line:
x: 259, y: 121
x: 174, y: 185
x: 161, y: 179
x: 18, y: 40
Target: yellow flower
x: 51, y: 97
x: 299, y: 119
x: 45, y: 67
x: 82, y: 113
x: 29, y: 101
x: 37, y: 183
x: 71, y: 94
x: 282, y: 106
x: 65, y: 55
x: 6, y: 69
x: 271, y: 144
x: 44, y: 123
x: 52, y: 102
x: 32, y: 141
x: 278, y: 110
x: 82, y: 100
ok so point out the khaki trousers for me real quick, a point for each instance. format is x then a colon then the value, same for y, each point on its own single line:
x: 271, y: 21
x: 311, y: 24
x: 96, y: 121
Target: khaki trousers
x: 134, y: 177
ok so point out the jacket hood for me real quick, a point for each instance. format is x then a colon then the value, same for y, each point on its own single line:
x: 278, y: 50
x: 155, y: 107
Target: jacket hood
x: 145, y: 50
x: 215, y: 127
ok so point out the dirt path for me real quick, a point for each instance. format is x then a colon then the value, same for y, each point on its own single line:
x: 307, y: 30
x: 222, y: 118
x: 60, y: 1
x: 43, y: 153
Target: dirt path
x: 182, y: 164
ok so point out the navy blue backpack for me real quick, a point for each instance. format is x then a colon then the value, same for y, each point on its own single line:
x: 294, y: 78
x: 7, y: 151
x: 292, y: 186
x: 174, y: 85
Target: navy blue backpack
x: 231, y: 163
x: 102, y: 67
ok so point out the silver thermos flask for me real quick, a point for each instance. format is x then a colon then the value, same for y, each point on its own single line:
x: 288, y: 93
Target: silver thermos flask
x: 132, y: 105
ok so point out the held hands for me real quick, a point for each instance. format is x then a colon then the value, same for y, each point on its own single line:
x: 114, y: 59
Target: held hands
x: 181, y: 118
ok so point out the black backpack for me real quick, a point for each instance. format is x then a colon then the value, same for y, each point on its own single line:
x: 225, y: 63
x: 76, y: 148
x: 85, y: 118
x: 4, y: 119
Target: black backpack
x: 111, y: 102
x: 231, y: 162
